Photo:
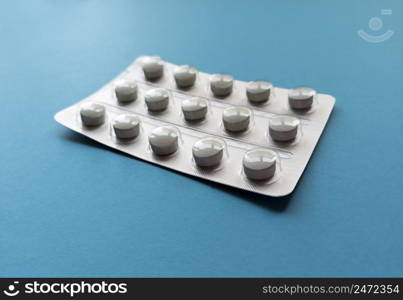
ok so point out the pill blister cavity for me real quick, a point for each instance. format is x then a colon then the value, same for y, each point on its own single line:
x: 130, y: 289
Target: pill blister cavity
x: 92, y: 114
x: 208, y: 152
x: 194, y: 109
x: 156, y: 99
x: 301, y: 98
x: 283, y: 128
x: 164, y: 140
x: 126, y: 126
x: 153, y: 67
x: 260, y: 164
x: 258, y: 92
x: 236, y: 119
x: 221, y: 84
x: 126, y: 91
x: 185, y: 76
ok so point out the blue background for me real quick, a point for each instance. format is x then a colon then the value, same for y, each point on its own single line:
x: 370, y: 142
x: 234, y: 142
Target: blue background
x: 71, y: 207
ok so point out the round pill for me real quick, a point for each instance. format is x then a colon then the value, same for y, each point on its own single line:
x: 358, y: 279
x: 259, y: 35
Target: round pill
x: 92, y: 114
x: 156, y: 99
x: 126, y: 126
x: 126, y: 91
x: 221, y: 84
x: 185, y: 76
x: 194, y: 109
x: 301, y: 97
x: 258, y: 91
x: 164, y: 140
x: 283, y: 128
x: 153, y: 67
x: 236, y: 119
x: 260, y: 164
x: 208, y: 152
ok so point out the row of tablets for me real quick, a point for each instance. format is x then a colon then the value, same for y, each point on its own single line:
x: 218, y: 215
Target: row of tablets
x: 282, y: 128
x: 221, y: 85
x: 208, y: 152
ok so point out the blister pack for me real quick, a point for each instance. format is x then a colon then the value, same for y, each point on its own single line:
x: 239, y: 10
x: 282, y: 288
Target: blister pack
x: 249, y: 135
